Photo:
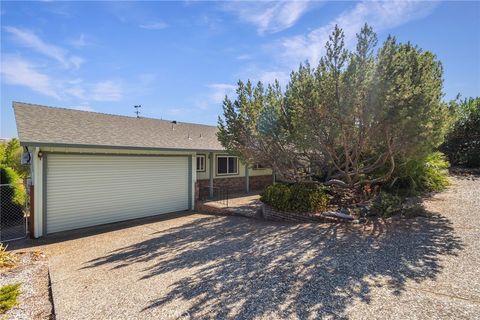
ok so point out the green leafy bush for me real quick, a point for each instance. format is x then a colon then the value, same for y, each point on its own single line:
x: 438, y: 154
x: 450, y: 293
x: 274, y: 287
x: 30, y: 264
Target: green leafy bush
x: 462, y: 144
x: 8, y: 297
x: 426, y: 174
x: 386, y: 204
x: 277, y: 195
x: 10, y: 154
x: 298, y: 197
x: 12, y: 197
x: 16, y: 192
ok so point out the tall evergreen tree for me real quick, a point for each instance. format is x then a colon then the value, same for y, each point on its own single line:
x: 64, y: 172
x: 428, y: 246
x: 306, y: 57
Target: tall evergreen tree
x: 348, y: 120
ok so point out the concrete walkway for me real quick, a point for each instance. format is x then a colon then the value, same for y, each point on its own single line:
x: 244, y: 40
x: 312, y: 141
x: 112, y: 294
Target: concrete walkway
x: 246, y: 205
x: 208, y: 267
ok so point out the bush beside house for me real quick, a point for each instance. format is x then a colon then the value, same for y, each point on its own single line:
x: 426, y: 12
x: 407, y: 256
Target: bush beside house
x: 462, y: 144
x: 12, y: 191
x: 413, y: 176
x: 299, y: 197
x: 12, y: 197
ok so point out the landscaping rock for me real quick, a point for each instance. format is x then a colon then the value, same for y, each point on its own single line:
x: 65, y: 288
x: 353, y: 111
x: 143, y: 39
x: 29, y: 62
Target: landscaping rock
x: 34, y: 300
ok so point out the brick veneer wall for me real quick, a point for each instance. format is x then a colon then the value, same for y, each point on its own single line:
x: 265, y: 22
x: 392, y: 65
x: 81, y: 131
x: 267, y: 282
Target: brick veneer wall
x: 233, y: 184
x: 260, y: 182
x: 202, y: 208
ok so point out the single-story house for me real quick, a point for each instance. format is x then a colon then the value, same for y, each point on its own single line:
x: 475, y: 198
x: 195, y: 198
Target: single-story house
x: 90, y: 168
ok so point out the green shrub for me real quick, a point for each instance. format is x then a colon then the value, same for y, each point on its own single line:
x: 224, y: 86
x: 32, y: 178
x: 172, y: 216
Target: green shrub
x: 15, y: 193
x: 462, y: 144
x: 277, y: 195
x: 426, y: 174
x: 8, y: 297
x: 12, y: 198
x: 298, y: 197
x: 386, y: 204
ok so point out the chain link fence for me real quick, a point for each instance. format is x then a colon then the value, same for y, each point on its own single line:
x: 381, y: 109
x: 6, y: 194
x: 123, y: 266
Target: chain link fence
x: 13, y: 212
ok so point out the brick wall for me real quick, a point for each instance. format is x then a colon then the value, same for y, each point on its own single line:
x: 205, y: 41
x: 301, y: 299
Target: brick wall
x: 259, y: 183
x: 202, y: 208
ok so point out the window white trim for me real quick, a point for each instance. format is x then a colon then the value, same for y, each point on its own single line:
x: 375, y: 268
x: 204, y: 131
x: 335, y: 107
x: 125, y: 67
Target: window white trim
x: 228, y: 169
x: 202, y: 159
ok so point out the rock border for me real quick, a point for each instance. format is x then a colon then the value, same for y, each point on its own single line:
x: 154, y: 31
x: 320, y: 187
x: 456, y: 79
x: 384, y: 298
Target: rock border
x: 271, y: 214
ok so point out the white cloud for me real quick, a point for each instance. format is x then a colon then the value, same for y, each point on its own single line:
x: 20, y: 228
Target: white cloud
x: 379, y: 15
x: 214, y: 96
x: 269, y: 77
x: 31, y: 40
x: 219, y: 91
x: 77, y: 91
x: 244, y: 57
x: 178, y: 111
x: 17, y: 71
x: 79, y: 42
x: 82, y: 108
x: 159, y: 25
x: 269, y: 16
x: 108, y: 90
x: 76, y: 62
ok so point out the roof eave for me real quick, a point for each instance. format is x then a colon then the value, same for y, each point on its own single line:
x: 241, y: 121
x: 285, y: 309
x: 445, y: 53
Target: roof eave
x: 69, y: 145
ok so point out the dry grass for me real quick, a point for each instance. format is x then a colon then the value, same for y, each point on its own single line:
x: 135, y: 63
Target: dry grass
x: 7, y: 259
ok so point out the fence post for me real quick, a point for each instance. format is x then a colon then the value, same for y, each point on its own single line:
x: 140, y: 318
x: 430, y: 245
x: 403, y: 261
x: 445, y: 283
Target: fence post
x: 31, y: 218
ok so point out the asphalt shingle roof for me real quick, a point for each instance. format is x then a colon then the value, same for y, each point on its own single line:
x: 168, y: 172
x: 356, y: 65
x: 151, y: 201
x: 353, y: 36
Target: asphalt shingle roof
x: 42, y: 125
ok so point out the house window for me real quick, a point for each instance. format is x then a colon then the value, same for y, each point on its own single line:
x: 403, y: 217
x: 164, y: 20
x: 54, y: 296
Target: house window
x: 201, y: 162
x: 258, y: 166
x: 227, y: 165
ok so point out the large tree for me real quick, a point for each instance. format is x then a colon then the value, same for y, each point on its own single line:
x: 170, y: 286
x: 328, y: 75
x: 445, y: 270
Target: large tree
x: 345, y: 121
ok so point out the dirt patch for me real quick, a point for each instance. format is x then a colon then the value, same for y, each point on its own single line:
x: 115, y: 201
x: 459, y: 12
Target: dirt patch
x: 35, y: 299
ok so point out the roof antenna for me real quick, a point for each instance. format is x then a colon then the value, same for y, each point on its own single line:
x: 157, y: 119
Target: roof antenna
x: 137, y: 110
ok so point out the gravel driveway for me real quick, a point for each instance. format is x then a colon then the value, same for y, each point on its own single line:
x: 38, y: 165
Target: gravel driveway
x: 198, y: 266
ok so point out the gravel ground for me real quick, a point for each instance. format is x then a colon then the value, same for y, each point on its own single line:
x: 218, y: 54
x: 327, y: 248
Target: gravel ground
x: 34, y: 300
x: 210, y: 267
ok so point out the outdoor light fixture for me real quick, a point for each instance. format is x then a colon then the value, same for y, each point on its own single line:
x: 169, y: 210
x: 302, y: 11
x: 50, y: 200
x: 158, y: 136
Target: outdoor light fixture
x: 40, y: 154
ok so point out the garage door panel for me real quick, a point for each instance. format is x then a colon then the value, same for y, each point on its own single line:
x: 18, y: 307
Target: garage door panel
x: 87, y: 190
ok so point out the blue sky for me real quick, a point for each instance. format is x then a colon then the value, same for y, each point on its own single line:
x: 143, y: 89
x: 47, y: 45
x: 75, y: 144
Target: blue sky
x: 179, y: 59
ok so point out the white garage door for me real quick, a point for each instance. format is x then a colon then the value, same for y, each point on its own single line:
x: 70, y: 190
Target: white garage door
x: 88, y: 190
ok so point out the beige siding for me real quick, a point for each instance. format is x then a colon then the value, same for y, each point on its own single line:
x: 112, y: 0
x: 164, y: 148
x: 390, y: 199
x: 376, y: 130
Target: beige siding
x: 241, y: 170
x: 87, y: 190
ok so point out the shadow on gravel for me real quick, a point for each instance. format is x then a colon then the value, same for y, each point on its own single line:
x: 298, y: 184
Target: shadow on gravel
x: 246, y: 268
